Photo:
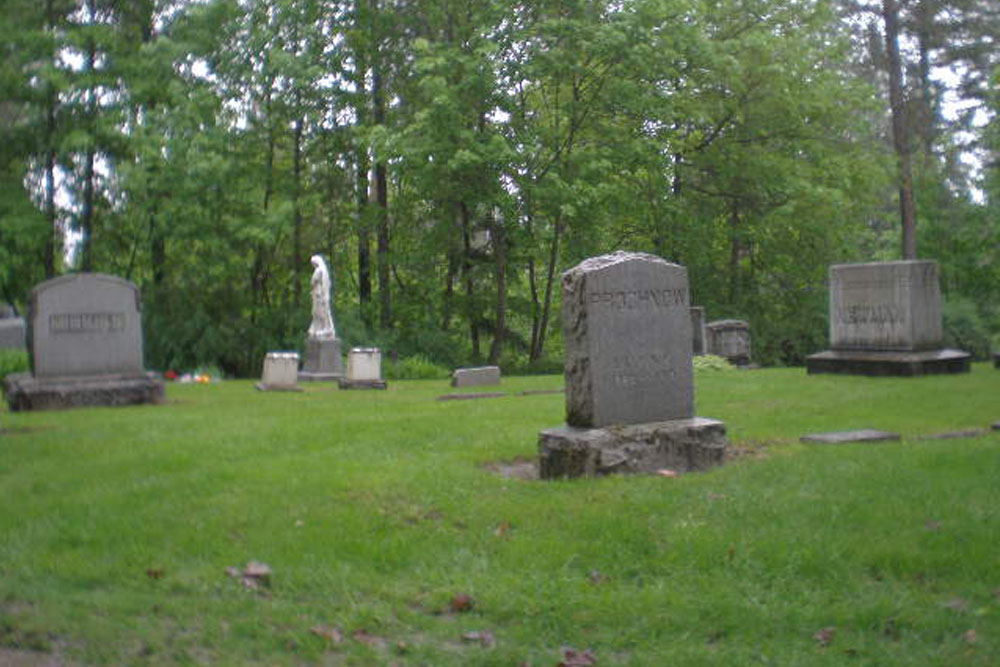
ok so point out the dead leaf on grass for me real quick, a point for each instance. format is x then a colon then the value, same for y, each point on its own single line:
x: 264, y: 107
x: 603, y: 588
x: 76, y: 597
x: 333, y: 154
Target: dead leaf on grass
x: 932, y: 525
x: 957, y: 604
x: 596, y: 577
x: 970, y: 637
x: 666, y: 472
x: 503, y: 530
x: 254, y: 576
x: 573, y: 658
x: 461, y: 603
x: 333, y: 634
x: 363, y: 637
x: 154, y: 573
x: 484, y: 638
x: 825, y: 636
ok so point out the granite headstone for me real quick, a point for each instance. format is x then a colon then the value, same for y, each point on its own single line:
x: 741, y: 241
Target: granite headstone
x: 12, y: 329
x: 476, y: 376
x: 698, y: 346
x: 85, y: 344
x: 280, y: 372
x: 885, y: 319
x: 364, y: 369
x: 729, y: 339
x: 629, y: 375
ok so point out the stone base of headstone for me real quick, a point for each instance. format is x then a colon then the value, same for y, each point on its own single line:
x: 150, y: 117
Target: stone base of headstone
x: 323, y: 362
x: 26, y: 392
x: 844, y: 437
x: 344, y: 383
x: 681, y: 445
x: 12, y: 332
x: 864, y: 362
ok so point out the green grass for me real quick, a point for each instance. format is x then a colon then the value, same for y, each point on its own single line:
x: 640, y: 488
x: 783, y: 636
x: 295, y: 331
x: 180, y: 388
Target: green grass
x: 375, y: 510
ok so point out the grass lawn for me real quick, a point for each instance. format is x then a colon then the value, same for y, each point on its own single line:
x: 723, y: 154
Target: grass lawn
x: 391, y: 541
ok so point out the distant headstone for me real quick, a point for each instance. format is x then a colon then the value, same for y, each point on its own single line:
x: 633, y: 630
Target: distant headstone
x: 842, y: 437
x: 364, y: 369
x: 629, y: 375
x: 281, y: 372
x: 85, y: 343
x: 698, y: 345
x: 12, y: 329
x: 475, y: 377
x: 729, y: 339
x: 885, y: 319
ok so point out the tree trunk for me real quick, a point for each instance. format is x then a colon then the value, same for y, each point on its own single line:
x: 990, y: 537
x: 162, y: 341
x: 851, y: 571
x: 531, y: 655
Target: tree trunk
x: 908, y: 215
x: 297, y: 258
x: 550, y: 278
x: 470, y: 288
x: 382, y: 201
x: 500, y: 254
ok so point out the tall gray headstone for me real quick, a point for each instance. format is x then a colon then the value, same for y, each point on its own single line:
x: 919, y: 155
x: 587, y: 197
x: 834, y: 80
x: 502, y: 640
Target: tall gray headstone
x: 85, y: 343
x: 629, y: 374
x: 885, y: 319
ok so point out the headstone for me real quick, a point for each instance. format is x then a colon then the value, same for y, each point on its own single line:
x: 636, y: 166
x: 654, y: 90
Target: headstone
x: 698, y: 346
x: 842, y: 437
x: 85, y: 343
x: 885, y: 319
x: 729, y: 339
x: 12, y: 329
x: 629, y: 374
x: 281, y: 372
x: 364, y: 369
x: 475, y: 377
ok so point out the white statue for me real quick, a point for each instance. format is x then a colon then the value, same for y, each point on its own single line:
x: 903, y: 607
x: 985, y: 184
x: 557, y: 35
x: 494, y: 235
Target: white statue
x: 322, y: 319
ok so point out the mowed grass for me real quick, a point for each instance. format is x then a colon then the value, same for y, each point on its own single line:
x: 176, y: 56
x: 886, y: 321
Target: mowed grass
x: 377, y: 512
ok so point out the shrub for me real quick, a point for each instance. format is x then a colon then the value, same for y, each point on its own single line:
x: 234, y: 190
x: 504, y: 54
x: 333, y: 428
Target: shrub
x: 417, y: 367
x: 13, y: 361
x: 711, y: 362
x: 964, y: 329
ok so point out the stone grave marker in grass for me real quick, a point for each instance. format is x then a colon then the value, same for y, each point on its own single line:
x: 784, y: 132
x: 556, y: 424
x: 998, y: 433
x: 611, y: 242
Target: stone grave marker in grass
x: 364, y: 369
x: 885, y: 319
x: 629, y: 375
x: 85, y: 343
x: 281, y: 372
x: 475, y: 377
x: 729, y: 339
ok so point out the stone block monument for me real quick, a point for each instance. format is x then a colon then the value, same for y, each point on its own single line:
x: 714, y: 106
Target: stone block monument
x: 323, y: 360
x: 475, y: 377
x: 729, y: 339
x: 885, y: 319
x: 85, y: 344
x: 698, y: 345
x: 12, y: 329
x: 629, y: 375
x: 280, y: 373
x: 364, y: 369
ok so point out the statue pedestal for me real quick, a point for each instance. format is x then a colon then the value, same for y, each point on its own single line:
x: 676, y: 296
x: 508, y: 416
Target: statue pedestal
x: 323, y: 362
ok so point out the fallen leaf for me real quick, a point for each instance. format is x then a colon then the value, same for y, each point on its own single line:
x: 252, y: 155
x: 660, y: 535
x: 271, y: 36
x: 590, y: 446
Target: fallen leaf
x: 573, y: 658
x: 333, y: 634
x: 666, y: 472
x: 461, y: 603
x: 825, y: 636
x: 402, y: 647
x: 503, y: 529
x: 362, y: 637
x: 154, y: 574
x: 596, y: 577
x: 969, y: 637
x: 484, y: 638
x: 256, y: 575
x: 957, y: 604
x: 233, y: 572
x: 932, y: 525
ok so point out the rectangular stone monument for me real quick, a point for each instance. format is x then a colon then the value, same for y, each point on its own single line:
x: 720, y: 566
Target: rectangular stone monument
x: 281, y: 372
x: 629, y: 374
x: 885, y: 319
x: 698, y: 330
x: 475, y: 377
x: 364, y: 369
x: 323, y: 361
x: 729, y: 339
x: 85, y: 344
x: 12, y: 333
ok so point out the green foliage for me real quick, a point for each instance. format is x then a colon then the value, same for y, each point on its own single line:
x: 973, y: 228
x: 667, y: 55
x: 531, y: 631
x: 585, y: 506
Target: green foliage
x: 965, y: 330
x: 13, y: 361
x: 712, y: 363
x: 416, y: 367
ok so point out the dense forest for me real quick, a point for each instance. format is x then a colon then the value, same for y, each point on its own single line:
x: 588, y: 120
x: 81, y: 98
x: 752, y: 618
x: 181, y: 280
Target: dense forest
x: 450, y: 158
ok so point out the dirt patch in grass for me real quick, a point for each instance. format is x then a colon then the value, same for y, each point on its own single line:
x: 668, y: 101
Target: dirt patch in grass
x: 521, y: 467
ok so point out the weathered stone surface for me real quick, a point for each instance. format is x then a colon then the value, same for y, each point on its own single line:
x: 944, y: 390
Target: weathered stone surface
x: 901, y: 364
x: 627, y: 331
x: 281, y: 372
x: 475, y: 377
x: 885, y: 319
x: 885, y: 306
x: 681, y: 445
x: 25, y: 392
x: 729, y: 339
x: 86, y: 324
x: 85, y: 342
x: 698, y: 338
x: 12, y: 333
x: 323, y: 361
x: 841, y: 437
x: 364, y: 369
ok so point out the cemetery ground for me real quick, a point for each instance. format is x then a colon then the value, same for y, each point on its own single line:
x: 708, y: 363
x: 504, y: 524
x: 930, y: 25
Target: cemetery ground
x: 391, y: 537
